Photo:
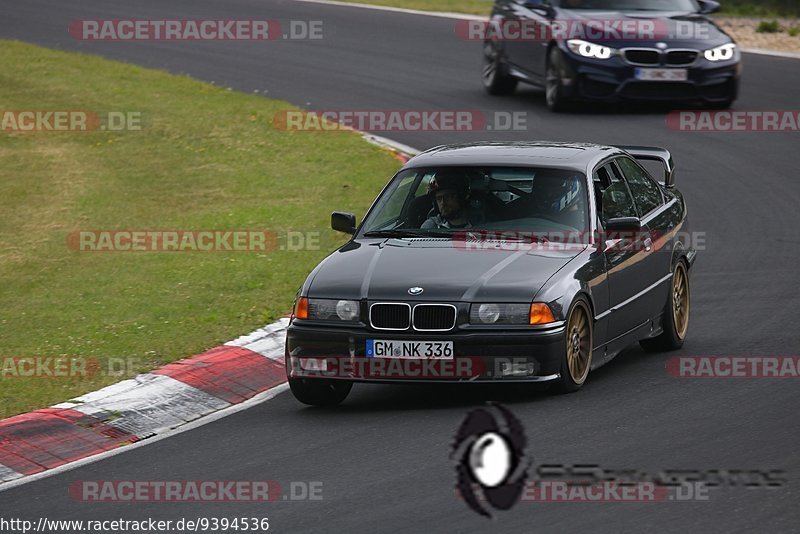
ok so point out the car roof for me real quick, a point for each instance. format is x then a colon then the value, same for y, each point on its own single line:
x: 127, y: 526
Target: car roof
x: 575, y: 156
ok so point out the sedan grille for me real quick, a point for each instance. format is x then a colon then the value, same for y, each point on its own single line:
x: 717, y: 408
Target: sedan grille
x: 643, y: 57
x: 432, y: 317
x: 682, y: 57
x: 390, y: 316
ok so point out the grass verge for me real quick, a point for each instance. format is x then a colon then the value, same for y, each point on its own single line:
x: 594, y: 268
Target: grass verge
x: 206, y: 158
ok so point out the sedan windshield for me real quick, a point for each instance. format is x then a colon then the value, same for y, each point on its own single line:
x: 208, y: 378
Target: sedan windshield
x: 631, y: 5
x: 442, y: 201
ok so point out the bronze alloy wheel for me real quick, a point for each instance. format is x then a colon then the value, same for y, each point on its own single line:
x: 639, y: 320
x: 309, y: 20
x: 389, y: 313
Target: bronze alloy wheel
x: 680, y: 301
x: 579, y: 343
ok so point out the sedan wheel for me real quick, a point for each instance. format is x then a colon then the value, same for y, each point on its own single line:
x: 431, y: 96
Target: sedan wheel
x: 320, y: 391
x: 676, y: 314
x: 554, y: 89
x: 496, y: 79
x: 578, y: 344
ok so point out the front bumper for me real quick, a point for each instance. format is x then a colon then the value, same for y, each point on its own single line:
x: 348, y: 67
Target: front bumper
x: 615, y: 80
x: 479, y: 356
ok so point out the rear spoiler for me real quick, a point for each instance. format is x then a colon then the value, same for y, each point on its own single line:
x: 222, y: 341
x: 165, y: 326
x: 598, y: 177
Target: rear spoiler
x: 651, y: 153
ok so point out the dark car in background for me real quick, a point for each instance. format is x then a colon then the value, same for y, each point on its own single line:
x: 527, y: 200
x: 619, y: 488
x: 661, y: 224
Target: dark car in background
x: 558, y: 256
x: 611, y: 50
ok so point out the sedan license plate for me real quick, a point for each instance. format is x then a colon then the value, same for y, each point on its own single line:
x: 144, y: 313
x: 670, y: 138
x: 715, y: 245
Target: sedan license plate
x: 662, y: 75
x: 412, y: 350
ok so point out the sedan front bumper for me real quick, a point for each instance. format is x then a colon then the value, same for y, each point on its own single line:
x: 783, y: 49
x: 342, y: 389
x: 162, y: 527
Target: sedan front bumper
x: 479, y: 356
x: 615, y: 80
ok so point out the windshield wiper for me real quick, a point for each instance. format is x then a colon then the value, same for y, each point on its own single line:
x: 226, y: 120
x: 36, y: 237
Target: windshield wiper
x: 431, y: 232
x: 392, y: 233
x: 409, y: 232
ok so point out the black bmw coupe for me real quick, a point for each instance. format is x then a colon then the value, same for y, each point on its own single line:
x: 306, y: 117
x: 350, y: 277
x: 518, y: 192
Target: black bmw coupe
x: 611, y: 50
x: 498, y: 262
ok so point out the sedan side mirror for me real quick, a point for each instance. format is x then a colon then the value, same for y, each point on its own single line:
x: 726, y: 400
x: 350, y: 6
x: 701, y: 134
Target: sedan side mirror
x: 708, y: 6
x: 343, y: 222
x: 623, y: 224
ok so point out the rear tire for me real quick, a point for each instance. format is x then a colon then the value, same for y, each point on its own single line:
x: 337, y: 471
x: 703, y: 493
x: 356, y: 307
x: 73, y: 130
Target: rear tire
x: 496, y: 79
x: 577, y: 359
x: 676, y: 314
x: 320, y: 391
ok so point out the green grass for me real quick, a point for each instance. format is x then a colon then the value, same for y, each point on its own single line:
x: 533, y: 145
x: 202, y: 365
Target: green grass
x: 794, y: 31
x: 207, y: 158
x: 769, y: 26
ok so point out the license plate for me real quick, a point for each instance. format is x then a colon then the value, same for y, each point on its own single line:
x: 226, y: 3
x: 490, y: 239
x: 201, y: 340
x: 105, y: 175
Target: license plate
x: 662, y: 75
x: 410, y: 350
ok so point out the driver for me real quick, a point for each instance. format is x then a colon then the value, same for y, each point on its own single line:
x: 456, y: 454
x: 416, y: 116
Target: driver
x: 451, y: 192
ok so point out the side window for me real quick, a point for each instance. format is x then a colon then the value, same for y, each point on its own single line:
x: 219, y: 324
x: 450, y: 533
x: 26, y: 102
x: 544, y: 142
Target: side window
x: 615, y: 199
x: 645, y: 192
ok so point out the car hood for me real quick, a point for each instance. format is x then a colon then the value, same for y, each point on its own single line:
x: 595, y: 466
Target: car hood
x: 446, y: 270
x: 677, y: 29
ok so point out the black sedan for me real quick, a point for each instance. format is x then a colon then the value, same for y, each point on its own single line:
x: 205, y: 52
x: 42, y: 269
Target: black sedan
x: 611, y: 50
x: 498, y: 262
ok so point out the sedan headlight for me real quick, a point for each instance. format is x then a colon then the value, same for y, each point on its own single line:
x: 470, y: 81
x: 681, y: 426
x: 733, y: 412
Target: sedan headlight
x: 326, y: 309
x: 587, y: 49
x: 721, y: 53
x: 510, y: 314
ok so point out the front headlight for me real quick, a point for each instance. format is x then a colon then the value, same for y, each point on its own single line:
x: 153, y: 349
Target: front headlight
x: 327, y: 309
x: 721, y: 53
x: 510, y: 314
x: 587, y: 49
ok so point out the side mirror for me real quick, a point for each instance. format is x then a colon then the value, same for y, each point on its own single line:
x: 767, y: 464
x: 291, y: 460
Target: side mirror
x: 623, y: 224
x: 708, y: 6
x: 343, y: 222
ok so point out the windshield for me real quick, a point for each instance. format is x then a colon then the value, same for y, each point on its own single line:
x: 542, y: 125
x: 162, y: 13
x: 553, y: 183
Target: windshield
x: 631, y: 5
x: 445, y: 200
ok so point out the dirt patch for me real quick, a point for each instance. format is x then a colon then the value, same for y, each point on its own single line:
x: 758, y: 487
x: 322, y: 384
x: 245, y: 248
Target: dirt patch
x: 743, y: 29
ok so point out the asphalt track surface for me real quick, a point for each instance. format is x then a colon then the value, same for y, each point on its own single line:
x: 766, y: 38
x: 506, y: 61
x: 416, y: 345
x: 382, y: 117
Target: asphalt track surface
x: 383, y: 456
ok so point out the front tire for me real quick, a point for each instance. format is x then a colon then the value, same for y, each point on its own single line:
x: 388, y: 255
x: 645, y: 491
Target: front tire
x: 554, y: 88
x: 676, y: 314
x: 320, y: 391
x: 577, y: 348
x: 496, y: 79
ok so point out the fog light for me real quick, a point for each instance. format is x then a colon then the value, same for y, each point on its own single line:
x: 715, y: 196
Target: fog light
x: 313, y: 364
x: 517, y: 369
